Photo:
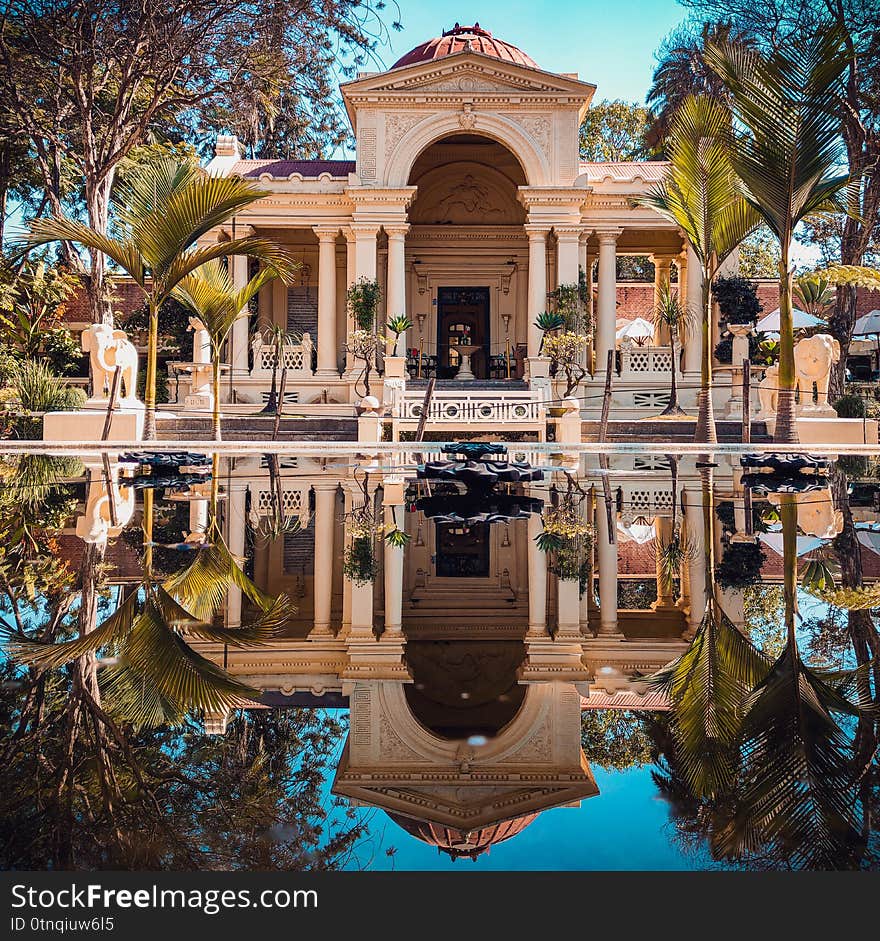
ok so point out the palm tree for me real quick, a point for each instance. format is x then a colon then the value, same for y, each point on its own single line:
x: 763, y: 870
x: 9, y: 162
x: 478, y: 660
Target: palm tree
x: 699, y: 194
x: 210, y: 294
x: 788, y: 157
x: 671, y: 314
x: 682, y: 71
x: 162, y: 212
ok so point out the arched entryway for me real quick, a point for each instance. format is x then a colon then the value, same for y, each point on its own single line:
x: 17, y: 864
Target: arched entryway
x: 468, y: 257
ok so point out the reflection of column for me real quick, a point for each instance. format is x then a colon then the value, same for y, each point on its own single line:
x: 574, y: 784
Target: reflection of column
x: 537, y: 300
x: 567, y: 253
x: 694, y: 293
x: 662, y: 273
x: 663, y: 536
x: 537, y: 580
x: 325, y: 523
x: 240, y: 329
x: 697, y: 588
x: 326, y: 301
x: 606, y: 307
x: 236, y: 501
x: 393, y: 580
x: 607, y: 558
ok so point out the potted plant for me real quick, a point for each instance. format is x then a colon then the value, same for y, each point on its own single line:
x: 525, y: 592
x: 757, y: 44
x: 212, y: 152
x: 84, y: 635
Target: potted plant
x: 566, y: 354
x: 359, y: 562
x: 364, y: 345
x: 395, y: 366
x: 566, y: 536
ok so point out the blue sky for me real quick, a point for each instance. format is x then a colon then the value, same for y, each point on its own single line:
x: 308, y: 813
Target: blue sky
x: 610, y: 44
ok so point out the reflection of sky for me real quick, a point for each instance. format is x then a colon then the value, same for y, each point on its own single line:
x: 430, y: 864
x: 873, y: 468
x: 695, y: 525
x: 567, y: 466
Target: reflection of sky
x: 625, y: 827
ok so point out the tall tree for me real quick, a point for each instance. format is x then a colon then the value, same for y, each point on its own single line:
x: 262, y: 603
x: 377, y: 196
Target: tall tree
x: 773, y: 24
x: 787, y: 156
x: 682, y: 71
x: 85, y: 81
x: 615, y: 130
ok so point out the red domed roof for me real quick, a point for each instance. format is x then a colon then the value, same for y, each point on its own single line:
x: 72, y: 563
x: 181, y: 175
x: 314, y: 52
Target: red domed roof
x: 461, y: 843
x: 465, y: 38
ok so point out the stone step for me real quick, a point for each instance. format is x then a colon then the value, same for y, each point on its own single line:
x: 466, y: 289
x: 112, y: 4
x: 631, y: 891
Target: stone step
x: 258, y: 428
x: 672, y: 431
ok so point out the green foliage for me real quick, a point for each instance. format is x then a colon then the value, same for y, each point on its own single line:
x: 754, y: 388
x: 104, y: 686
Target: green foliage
x: 32, y: 316
x: 614, y: 131
x: 363, y: 302
x: 615, y: 739
x: 37, y: 389
x: 398, y: 325
x: 737, y: 299
x: 850, y: 406
x: 359, y: 562
x: 397, y: 538
x: 759, y: 255
x: 740, y: 565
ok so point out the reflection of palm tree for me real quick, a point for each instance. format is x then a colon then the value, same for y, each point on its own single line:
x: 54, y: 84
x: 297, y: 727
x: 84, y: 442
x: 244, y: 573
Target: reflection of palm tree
x: 155, y: 675
x: 708, y: 684
x: 798, y: 780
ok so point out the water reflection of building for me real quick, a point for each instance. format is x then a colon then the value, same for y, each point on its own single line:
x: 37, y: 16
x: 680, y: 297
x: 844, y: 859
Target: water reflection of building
x: 465, y: 662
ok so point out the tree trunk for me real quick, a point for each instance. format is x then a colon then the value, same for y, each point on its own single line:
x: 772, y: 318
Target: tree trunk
x: 150, y: 386
x: 85, y: 669
x: 705, y: 432
x: 215, y: 382
x: 786, y: 417
x: 98, y: 208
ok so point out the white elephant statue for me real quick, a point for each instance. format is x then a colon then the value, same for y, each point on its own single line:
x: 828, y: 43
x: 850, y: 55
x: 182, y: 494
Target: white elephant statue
x: 768, y: 393
x: 96, y: 524
x: 813, y: 358
x: 108, y: 351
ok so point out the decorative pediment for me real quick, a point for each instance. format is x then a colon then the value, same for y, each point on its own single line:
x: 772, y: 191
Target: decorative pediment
x: 469, y: 74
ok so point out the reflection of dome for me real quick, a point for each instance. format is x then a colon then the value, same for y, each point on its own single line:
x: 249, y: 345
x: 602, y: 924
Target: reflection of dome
x: 458, y: 843
x: 465, y: 38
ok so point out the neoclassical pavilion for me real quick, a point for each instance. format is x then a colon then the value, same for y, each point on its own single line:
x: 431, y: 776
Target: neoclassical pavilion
x: 468, y: 202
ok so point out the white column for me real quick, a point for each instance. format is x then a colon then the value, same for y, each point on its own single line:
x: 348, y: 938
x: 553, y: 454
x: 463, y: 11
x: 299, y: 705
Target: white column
x: 607, y: 560
x: 239, y: 335
x: 694, y: 293
x: 393, y: 579
x: 606, y: 306
x: 364, y: 250
x: 694, y: 528
x: 567, y: 253
x: 325, y: 525
x: 395, y: 295
x: 662, y: 272
x: 236, y: 501
x: 537, y: 302
x: 537, y: 580
x: 326, y: 301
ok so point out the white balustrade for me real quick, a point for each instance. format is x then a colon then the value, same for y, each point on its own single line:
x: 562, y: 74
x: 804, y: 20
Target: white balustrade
x: 457, y: 407
x: 641, y: 361
x: 296, y: 358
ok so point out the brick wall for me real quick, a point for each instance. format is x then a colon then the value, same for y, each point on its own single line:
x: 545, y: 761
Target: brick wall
x: 127, y: 298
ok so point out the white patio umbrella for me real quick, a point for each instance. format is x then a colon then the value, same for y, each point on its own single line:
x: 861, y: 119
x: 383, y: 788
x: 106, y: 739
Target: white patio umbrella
x: 638, y: 330
x: 800, y: 321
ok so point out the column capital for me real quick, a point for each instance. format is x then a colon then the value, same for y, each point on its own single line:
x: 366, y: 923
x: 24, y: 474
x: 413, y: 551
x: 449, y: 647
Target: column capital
x: 584, y: 236
x: 364, y: 229
x: 326, y: 233
x: 397, y: 231
x: 537, y: 232
x: 663, y: 258
x: 608, y: 236
x: 325, y: 484
x: 568, y: 233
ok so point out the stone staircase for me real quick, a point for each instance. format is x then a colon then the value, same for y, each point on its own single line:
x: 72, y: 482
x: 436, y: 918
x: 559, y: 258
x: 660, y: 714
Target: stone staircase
x: 470, y: 385
x: 258, y: 428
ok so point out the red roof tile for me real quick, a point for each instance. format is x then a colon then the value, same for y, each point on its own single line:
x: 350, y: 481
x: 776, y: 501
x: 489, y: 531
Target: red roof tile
x: 465, y: 39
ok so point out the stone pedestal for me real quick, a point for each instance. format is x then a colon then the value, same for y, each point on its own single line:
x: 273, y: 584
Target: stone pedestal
x: 87, y: 426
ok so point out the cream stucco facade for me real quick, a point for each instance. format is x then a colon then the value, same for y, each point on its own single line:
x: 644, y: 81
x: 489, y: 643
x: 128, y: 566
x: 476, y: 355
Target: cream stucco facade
x: 468, y: 202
